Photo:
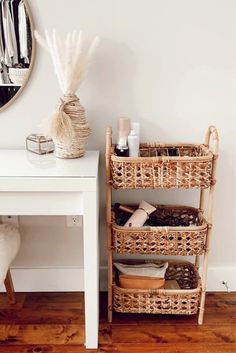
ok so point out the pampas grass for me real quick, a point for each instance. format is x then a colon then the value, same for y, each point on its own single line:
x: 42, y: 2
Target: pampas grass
x: 70, y: 57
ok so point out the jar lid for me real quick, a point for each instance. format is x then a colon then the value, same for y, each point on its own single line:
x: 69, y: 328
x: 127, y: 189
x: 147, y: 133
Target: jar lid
x: 38, y: 138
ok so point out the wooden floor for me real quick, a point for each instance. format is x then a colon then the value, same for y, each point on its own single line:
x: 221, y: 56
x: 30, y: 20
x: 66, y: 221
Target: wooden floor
x: 54, y: 323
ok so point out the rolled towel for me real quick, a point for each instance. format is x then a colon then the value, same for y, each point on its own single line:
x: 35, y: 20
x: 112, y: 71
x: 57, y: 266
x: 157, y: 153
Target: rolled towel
x: 9, y: 247
x: 144, y: 270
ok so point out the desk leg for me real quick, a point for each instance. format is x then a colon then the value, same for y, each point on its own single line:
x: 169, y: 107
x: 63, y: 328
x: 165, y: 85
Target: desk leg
x: 91, y: 269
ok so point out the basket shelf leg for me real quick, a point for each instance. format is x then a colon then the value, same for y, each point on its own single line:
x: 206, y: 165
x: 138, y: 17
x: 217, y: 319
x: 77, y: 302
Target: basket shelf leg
x: 110, y: 294
x: 202, y: 200
x: 211, y: 132
x: 108, y: 221
x: 201, y: 309
x: 202, y: 197
x: 206, y: 255
x: 196, y: 263
x: 109, y: 311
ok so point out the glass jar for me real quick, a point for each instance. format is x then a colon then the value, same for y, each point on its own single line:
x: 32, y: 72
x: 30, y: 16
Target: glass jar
x: 39, y: 144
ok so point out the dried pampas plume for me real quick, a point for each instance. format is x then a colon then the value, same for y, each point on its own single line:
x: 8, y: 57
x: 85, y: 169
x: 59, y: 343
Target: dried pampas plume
x: 71, y: 60
x: 69, y: 57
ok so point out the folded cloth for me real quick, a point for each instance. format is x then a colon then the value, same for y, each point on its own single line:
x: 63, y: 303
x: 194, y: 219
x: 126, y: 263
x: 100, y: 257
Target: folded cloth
x: 141, y: 282
x: 9, y: 246
x: 145, y: 269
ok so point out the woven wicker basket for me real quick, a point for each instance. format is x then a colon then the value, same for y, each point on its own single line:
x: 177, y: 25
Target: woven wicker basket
x: 76, y: 147
x: 163, y: 301
x: 18, y: 75
x: 171, y: 240
x: 158, y: 168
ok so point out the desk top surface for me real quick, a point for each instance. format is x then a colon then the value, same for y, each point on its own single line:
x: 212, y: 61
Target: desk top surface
x: 21, y: 163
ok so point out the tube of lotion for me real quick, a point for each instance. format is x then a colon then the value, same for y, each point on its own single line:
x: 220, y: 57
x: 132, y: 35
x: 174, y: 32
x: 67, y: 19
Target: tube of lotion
x: 140, y: 216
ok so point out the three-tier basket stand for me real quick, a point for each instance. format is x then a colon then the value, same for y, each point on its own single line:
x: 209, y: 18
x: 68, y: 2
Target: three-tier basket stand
x: 191, y: 166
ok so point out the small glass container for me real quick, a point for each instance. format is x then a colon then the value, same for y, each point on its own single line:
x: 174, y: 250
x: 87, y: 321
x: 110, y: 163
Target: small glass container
x: 122, y: 151
x: 39, y: 144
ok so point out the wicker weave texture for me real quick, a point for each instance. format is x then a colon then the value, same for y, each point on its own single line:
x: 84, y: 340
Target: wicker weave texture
x: 193, y: 170
x: 184, y: 301
x: 151, y: 303
x: 162, y: 240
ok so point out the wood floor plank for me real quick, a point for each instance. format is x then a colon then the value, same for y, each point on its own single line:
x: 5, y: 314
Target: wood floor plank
x: 172, y: 334
x: 54, y: 323
x: 219, y: 302
x: 209, y: 319
x: 45, y: 349
x: 5, y: 304
x: 123, y: 348
x: 37, y: 301
x: 176, y: 348
x: 42, y: 316
x: 41, y: 334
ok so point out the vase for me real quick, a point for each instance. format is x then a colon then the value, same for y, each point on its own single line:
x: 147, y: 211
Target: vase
x: 73, y: 146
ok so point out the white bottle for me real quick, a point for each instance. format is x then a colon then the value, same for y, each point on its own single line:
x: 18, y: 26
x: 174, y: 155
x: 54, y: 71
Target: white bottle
x: 136, y: 127
x: 133, y: 143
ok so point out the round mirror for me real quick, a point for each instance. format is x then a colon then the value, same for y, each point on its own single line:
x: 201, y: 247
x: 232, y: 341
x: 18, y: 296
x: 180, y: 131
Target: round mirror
x: 17, y: 49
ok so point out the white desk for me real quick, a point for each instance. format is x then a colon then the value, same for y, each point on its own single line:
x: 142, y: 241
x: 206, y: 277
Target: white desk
x: 44, y: 185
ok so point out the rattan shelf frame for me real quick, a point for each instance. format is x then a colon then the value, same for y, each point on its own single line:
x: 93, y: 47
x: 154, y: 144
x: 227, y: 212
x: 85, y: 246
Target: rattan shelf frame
x: 206, y: 188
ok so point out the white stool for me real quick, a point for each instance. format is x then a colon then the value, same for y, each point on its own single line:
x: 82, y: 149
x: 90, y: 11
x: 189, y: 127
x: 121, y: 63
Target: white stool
x: 9, y: 246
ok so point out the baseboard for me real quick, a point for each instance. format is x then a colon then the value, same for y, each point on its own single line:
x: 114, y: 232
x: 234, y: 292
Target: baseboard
x: 47, y: 279
x: 72, y: 279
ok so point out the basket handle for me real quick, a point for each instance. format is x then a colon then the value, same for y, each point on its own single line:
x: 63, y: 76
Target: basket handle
x: 212, y: 133
x: 108, y: 153
x: 108, y: 140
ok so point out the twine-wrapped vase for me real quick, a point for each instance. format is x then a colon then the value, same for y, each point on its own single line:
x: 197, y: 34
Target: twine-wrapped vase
x: 70, y: 128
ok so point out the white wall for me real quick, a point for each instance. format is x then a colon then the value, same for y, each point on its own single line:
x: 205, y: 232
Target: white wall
x: 170, y: 65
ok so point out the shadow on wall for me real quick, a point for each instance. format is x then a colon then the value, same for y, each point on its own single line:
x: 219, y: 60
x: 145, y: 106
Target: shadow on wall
x: 111, y: 76
x: 224, y: 211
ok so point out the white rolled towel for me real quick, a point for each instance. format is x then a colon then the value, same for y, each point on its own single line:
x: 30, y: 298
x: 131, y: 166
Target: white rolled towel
x: 144, y: 269
x: 9, y: 247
